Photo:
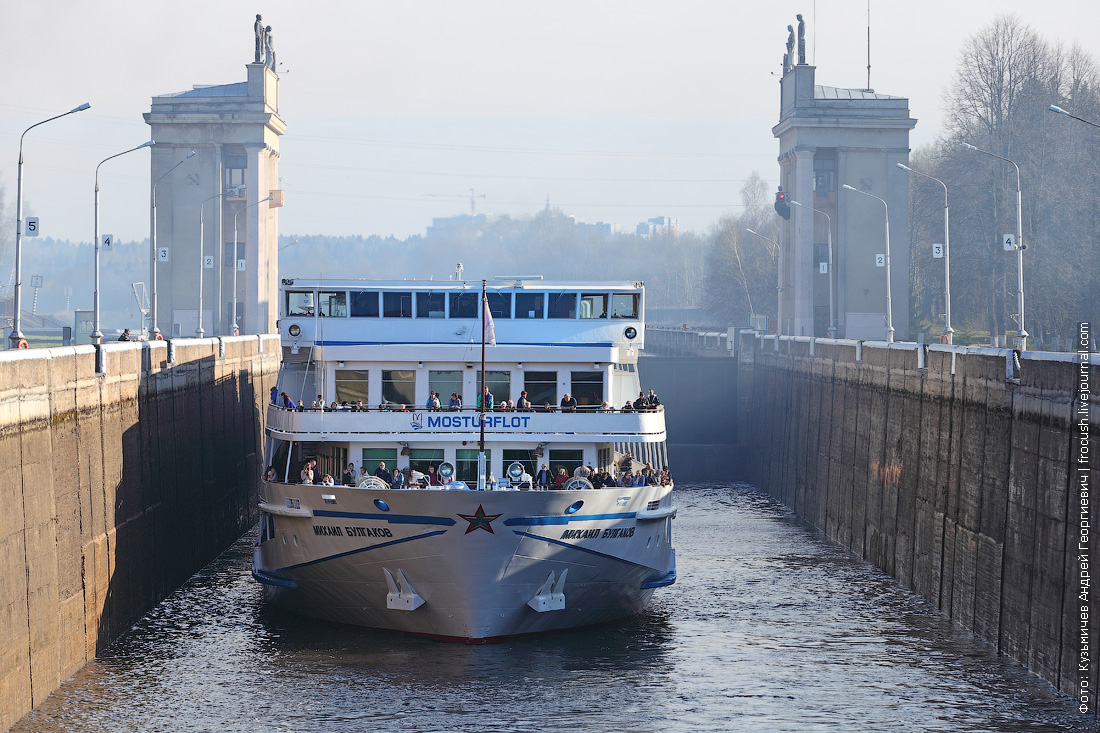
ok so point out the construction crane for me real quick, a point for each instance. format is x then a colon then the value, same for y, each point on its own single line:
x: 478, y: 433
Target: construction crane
x: 472, y: 197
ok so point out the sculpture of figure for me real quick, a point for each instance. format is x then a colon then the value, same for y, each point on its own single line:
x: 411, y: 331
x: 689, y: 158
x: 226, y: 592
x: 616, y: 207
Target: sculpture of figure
x: 801, y: 40
x: 788, y: 60
x: 269, y: 48
x: 258, y: 28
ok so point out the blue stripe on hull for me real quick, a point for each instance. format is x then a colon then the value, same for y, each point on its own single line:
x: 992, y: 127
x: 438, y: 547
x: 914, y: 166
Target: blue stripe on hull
x: 363, y: 549
x: 391, y: 518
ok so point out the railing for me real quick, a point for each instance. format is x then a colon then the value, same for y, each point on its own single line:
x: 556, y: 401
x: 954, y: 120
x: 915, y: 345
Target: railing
x: 587, y: 425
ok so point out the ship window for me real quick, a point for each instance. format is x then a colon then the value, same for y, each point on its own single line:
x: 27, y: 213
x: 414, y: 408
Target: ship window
x: 500, y: 304
x: 397, y: 305
x: 373, y: 456
x: 499, y: 384
x: 464, y: 305
x: 334, y: 304
x: 542, y: 387
x: 587, y: 387
x: 563, y: 305
x: 525, y: 458
x: 624, y: 305
x: 421, y: 458
x: 351, y: 385
x: 430, y: 305
x: 445, y: 382
x: 466, y: 465
x: 299, y: 303
x: 570, y: 460
x: 594, y: 305
x: 398, y: 387
x: 530, y: 305
x: 364, y: 304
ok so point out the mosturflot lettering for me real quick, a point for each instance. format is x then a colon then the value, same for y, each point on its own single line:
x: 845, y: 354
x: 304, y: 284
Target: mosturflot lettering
x: 474, y: 421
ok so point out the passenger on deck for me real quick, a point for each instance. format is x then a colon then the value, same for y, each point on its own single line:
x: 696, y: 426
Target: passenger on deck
x: 398, y: 479
x: 581, y: 472
x: 270, y: 475
x: 597, y: 480
x: 327, y: 480
x: 561, y: 478
x: 502, y: 407
x: 626, y: 479
x: 640, y: 403
x: 523, y: 404
x: 363, y: 472
x: 415, y: 479
x: 568, y: 403
x: 288, y: 404
x: 606, y: 478
x: 455, y: 403
x: 433, y: 480
x: 544, y: 478
x: 666, y: 476
x: 433, y: 402
x: 604, y: 407
x: 307, y: 472
x: 640, y: 478
x: 628, y: 407
x: 274, y: 395
x: 348, y: 479
x: 333, y: 407
x: 653, y: 400
x: 487, y: 396
x: 359, y: 406
x: 382, y: 473
x: 547, y: 408
x: 313, y: 405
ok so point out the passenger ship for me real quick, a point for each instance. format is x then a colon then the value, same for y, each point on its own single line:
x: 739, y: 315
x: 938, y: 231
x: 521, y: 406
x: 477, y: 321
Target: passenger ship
x: 480, y: 553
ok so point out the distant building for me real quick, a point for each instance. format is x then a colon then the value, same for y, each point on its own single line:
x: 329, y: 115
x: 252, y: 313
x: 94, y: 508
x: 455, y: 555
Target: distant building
x: 829, y: 137
x: 462, y: 225
x: 234, y: 130
x: 659, y: 226
x: 600, y: 227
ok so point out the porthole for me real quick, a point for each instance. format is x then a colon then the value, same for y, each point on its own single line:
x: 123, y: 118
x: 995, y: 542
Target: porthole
x: 382, y: 505
x: 574, y: 507
x: 630, y: 332
x: 295, y: 329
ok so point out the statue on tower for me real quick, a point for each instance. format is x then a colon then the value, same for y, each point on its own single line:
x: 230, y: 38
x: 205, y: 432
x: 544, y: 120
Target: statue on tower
x: 788, y: 58
x: 269, y: 48
x: 801, y: 40
x: 258, y: 29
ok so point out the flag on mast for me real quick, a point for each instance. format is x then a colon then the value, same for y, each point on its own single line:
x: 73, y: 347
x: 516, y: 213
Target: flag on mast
x: 490, y: 330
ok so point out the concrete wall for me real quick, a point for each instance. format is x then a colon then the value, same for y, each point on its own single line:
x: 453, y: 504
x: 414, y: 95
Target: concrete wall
x: 114, y: 489
x: 949, y: 475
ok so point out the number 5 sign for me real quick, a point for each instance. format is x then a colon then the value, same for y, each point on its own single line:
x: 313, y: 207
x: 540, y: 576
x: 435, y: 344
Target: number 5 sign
x: 32, y: 226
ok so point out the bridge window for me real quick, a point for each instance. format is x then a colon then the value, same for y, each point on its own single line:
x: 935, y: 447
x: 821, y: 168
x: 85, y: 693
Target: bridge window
x: 570, y: 460
x: 500, y: 304
x: 563, y: 305
x: 542, y: 387
x: 299, y: 303
x: 399, y: 387
x: 334, y: 304
x: 421, y: 458
x: 397, y: 305
x: 464, y: 305
x: 530, y: 305
x: 430, y: 305
x: 364, y: 304
x: 624, y: 305
x: 466, y: 464
x: 351, y: 385
x: 524, y: 457
x: 587, y: 388
x: 594, y: 305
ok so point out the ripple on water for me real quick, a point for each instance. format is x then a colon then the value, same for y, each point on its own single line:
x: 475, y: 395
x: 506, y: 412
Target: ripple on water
x: 768, y: 628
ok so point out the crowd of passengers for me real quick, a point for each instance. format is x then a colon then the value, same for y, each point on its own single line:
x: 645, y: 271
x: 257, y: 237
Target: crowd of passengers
x: 626, y: 474
x: 645, y: 403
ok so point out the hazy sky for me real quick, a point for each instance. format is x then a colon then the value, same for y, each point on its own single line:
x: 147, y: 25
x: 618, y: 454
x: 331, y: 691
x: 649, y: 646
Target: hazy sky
x: 618, y: 111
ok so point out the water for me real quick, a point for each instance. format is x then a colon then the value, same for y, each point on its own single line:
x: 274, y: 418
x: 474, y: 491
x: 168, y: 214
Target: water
x: 769, y: 628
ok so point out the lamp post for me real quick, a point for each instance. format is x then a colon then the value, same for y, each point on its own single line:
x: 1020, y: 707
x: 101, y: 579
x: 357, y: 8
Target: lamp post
x: 829, y: 224
x: 202, y: 252
x: 1021, y: 335
x: 1059, y: 110
x: 889, y: 309
x: 236, y: 255
x: 97, y: 335
x: 778, y: 275
x: 948, y: 332
x: 16, y: 334
x: 153, y: 240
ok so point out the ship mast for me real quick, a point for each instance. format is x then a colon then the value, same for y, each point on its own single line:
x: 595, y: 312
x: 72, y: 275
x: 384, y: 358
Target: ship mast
x: 481, y: 397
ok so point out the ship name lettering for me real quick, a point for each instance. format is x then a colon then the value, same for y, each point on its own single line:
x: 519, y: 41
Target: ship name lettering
x: 473, y: 421
x: 328, y: 530
x: 609, y: 533
x: 368, y: 531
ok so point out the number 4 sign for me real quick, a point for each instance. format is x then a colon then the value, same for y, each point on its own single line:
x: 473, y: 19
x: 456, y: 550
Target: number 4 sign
x: 107, y: 241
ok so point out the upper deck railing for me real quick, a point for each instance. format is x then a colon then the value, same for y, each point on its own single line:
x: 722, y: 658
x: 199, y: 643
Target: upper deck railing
x: 391, y: 423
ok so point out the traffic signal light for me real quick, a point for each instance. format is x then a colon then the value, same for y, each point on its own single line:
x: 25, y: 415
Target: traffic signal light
x: 783, y: 204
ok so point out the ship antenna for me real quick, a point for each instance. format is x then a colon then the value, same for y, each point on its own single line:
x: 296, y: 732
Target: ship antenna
x: 481, y: 468
x: 869, y: 46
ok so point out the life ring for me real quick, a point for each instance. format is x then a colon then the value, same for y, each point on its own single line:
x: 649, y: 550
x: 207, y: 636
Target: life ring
x: 158, y: 337
x: 22, y: 344
x: 944, y: 338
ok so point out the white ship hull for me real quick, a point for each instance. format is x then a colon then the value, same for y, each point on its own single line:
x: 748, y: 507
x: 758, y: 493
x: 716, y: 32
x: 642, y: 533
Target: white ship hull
x: 464, y: 565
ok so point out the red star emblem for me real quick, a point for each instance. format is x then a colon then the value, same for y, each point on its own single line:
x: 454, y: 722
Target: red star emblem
x: 479, y: 520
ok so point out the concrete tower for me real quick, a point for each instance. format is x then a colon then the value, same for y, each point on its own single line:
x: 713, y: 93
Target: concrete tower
x: 234, y: 130
x: 829, y: 137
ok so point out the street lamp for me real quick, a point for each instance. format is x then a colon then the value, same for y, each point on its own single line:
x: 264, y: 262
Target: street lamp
x: 97, y: 335
x: 153, y: 240
x: 889, y: 309
x: 1059, y: 110
x: 1021, y: 335
x: 16, y: 337
x: 948, y: 332
x: 829, y: 223
x: 236, y: 256
x: 198, y: 331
